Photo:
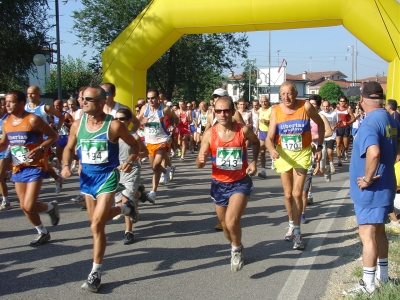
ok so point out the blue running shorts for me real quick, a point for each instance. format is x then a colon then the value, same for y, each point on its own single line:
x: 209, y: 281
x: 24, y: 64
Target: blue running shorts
x: 221, y: 191
x: 372, y: 215
x: 29, y: 174
x: 95, y: 184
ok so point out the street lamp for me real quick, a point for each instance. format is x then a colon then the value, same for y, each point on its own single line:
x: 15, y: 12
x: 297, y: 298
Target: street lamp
x: 58, y: 52
x: 40, y: 60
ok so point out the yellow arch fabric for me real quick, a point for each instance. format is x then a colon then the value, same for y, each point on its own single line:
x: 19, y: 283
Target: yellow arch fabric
x: 374, y: 22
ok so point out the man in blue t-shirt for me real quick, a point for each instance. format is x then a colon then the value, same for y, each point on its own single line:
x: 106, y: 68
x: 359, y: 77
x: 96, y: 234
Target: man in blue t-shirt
x: 373, y: 183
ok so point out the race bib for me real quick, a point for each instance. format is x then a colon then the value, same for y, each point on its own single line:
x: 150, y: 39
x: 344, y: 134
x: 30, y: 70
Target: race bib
x: 19, y: 155
x: 292, y: 142
x: 229, y: 158
x: 94, y: 151
x: 151, y: 129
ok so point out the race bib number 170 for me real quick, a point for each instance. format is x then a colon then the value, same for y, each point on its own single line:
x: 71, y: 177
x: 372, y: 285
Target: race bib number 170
x: 291, y: 142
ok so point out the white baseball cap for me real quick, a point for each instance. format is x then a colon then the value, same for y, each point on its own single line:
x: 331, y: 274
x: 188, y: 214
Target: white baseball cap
x: 221, y: 92
x: 169, y: 103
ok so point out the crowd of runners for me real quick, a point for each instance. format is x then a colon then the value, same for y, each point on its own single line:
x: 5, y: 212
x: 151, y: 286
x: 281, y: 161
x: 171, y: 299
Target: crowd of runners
x: 108, y: 144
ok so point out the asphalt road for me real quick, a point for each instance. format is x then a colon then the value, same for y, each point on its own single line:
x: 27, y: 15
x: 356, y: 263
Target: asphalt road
x: 177, y: 253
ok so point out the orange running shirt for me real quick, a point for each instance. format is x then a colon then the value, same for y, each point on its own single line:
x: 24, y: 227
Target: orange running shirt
x: 22, y: 139
x: 229, y: 159
x: 293, y: 131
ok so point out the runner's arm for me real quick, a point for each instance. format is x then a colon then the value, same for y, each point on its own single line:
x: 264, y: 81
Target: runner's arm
x: 204, y: 149
x: 50, y: 110
x: 253, y: 139
x: 270, y: 140
x: 38, y: 124
x: 69, y: 150
x: 237, y: 117
x: 3, y: 141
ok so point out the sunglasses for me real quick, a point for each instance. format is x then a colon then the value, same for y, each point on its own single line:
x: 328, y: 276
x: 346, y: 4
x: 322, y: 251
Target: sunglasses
x: 89, y: 99
x: 151, y: 98
x: 121, y: 119
x: 108, y: 93
x: 220, y: 111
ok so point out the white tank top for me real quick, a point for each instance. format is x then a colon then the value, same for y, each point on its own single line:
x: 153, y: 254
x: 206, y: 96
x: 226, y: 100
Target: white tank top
x: 155, y: 131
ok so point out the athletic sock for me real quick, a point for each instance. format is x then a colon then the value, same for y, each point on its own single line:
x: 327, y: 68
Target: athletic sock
x: 49, y: 207
x: 369, y: 277
x: 382, y: 272
x: 41, y: 229
x: 5, y: 199
x: 237, y: 248
x: 291, y: 223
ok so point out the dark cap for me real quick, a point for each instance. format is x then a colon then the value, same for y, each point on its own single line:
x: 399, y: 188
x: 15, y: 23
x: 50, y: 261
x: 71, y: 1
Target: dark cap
x: 372, y: 90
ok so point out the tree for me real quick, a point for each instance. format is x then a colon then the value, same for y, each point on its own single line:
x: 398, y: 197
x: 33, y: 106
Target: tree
x: 190, y: 69
x: 331, y: 91
x: 75, y: 73
x: 23, y: 33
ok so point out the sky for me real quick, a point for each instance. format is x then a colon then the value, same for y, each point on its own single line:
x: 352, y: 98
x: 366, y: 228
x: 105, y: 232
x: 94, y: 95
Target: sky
x: 313, y: 49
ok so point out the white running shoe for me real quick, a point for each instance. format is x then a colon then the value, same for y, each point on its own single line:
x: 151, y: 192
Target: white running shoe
x: 161, y: 178
x: 167, y: 177
x: 332, y: 167
x: 358, y: 289
x: 151, y: 196
x: 237, y: 260
x: 118, y: 217
x: 272, y: 165
x: 171, y: 174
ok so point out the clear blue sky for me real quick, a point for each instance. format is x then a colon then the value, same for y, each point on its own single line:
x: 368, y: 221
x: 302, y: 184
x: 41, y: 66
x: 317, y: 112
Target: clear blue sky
x: 315, y: 49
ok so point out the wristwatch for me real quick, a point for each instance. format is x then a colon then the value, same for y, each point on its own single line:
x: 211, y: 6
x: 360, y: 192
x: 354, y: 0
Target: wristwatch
x: 130, y: 162
x: 320, y: 146
x: 41, y: 148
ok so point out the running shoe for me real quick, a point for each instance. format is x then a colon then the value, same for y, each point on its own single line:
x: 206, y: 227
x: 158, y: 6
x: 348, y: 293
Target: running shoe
x: 118, y: 217
x: 54, y: 213
x: 310, y: 199
x: 151, y: 196
x: 171, y: 174
x: 40, y: 239
x: 303, y: 219
x: 328, y: 177
x: 93, y: 282
x: 196, y: 147
x: 167, y: 177
x: 332, y: 167
x: 178, y: 152
x: 262, y: 174
x: 5, y: 205
x: 237, y: 260
x: 339, y: 163
x: 128, y: 238
x: 218, y: 227
x: 346, y: 157
x: 359, y: 289
x: 182, y: 159
x: 272, y: 165
x: 161, y: 178
x: 191, y: 151
x: 289, y: 234
x: 78, y: 199
x: 59, y: 183
x: 298, y: 242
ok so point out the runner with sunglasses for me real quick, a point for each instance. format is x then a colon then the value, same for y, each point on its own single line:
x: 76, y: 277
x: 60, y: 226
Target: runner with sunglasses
x: 231, y: 185
x: 95, y: 138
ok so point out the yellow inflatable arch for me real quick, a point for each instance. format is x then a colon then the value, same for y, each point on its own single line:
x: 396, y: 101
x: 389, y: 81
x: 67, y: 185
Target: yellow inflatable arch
x: 376, y: 23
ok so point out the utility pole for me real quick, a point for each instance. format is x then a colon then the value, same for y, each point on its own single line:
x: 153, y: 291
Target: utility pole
x: 269, y: 65
x: 58, y: 52
x: 352, y: 63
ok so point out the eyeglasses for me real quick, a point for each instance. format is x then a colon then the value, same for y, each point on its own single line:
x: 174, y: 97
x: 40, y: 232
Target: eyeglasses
x: 220, y: 111
x: 151, y: 98
x: 108, y: 93
x: 121, y: 119
x: 89, y: 99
